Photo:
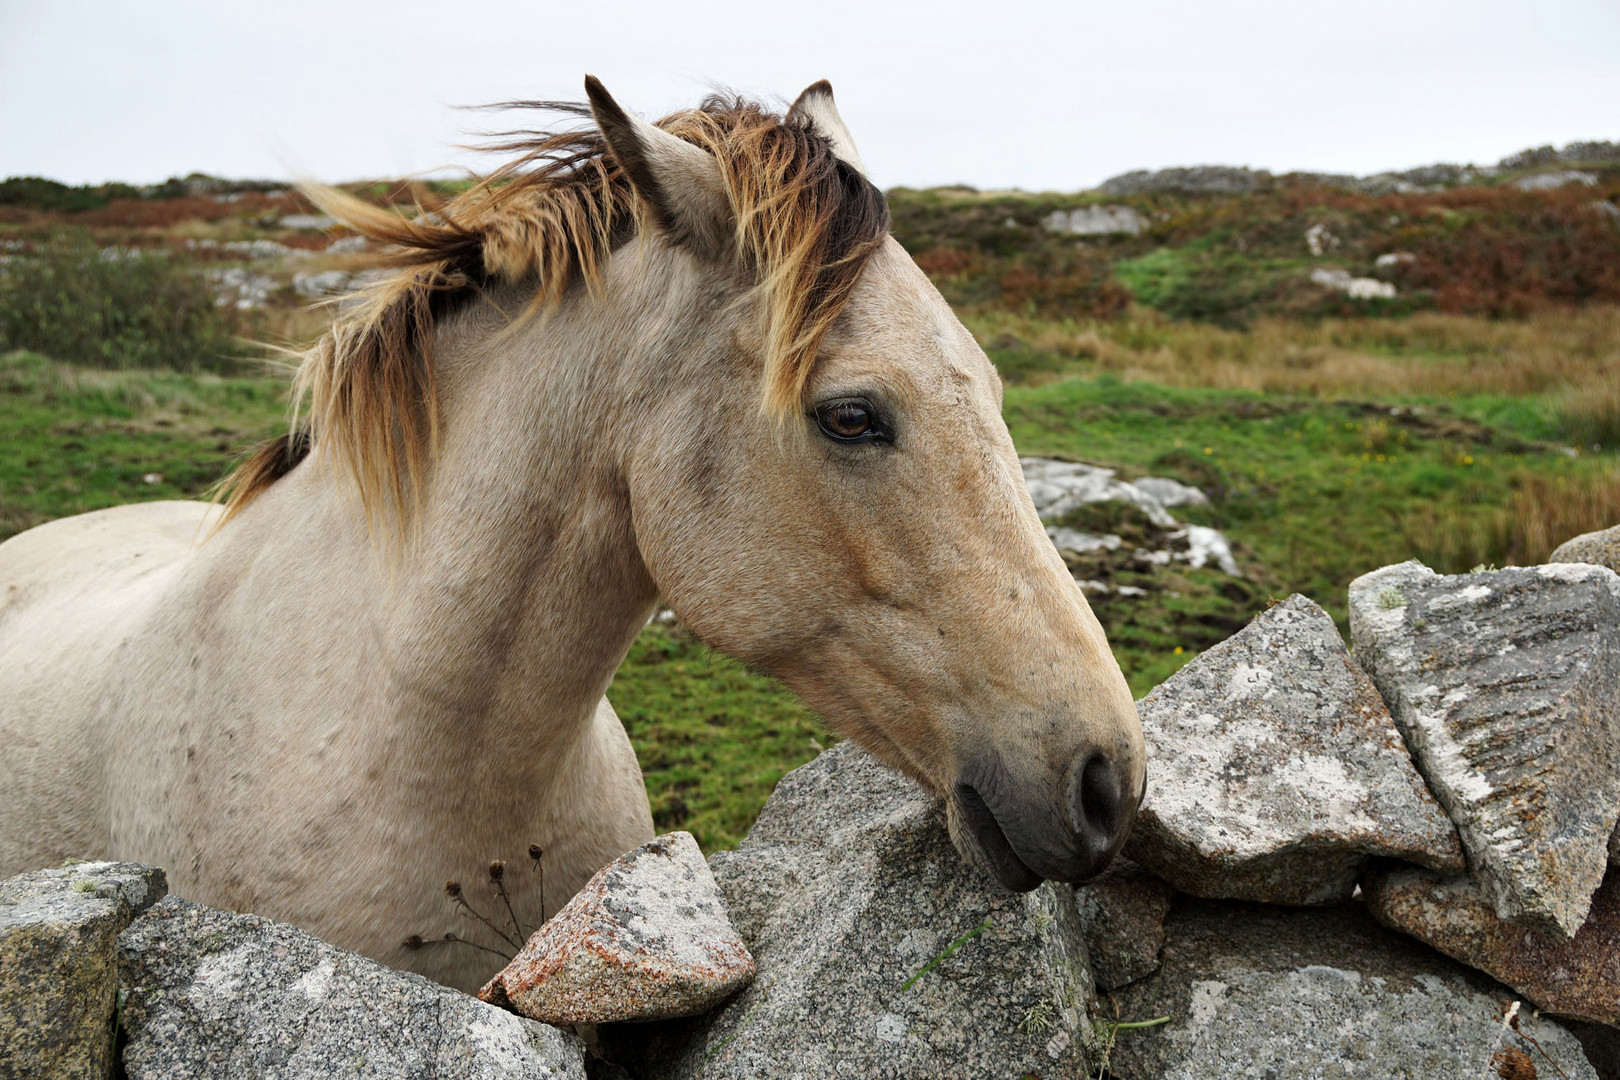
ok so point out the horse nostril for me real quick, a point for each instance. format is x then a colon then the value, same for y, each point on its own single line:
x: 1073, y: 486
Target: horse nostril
x: 1095, y: 804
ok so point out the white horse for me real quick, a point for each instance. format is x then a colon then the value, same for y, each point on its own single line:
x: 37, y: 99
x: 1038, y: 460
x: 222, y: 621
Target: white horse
x: 681, y: 359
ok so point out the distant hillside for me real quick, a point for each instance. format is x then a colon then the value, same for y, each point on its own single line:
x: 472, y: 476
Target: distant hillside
x: 1543, y: 166
x: 1227, y: 244
x: 1220, y: 244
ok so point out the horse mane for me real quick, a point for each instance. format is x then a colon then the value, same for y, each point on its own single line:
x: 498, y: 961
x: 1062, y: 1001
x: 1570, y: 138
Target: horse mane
x: 805, y: 221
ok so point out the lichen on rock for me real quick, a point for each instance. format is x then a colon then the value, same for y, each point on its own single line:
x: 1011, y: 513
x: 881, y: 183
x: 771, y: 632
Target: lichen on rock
x: 1275, y: 770
x: 1506, y: 686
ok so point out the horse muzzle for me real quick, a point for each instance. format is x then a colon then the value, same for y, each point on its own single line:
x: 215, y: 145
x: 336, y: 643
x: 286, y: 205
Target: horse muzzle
x: 1025, y: 835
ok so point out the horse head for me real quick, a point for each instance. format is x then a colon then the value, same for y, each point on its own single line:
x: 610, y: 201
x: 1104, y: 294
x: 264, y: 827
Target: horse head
x: 836, y: 500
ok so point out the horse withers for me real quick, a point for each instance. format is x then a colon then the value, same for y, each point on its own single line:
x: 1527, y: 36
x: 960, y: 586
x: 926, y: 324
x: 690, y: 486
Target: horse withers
x: 681, y: 359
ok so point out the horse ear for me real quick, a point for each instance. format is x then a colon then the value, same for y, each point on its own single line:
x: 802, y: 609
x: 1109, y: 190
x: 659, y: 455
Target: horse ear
x: 816, y: 107
x: 679, y: 182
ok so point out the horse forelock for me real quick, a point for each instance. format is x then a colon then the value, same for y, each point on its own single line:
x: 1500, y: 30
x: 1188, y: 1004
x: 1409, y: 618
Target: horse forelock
x: 805, y: 223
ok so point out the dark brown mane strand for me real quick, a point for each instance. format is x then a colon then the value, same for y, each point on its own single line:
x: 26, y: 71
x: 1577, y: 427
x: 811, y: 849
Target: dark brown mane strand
x: 805, y: 221
x: 264, y: 465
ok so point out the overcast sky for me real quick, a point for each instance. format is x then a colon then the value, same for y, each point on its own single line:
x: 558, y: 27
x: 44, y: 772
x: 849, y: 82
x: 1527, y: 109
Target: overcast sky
x: 1006, y: 94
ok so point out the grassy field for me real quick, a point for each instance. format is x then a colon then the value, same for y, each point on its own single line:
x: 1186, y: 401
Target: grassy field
x: 1474, y: 422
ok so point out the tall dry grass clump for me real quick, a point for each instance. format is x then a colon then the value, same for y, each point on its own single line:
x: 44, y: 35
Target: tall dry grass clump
x: 1426, y: 353
x: 1543, y: 513
x: 1573, y: 357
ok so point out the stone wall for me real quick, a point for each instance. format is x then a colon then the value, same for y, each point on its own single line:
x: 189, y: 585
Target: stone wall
x: 1345, y: 865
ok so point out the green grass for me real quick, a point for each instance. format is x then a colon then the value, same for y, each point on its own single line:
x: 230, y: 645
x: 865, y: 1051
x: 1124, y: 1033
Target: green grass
x: 712, y: 737
x: 1312, y: 493
x: 74, y: 439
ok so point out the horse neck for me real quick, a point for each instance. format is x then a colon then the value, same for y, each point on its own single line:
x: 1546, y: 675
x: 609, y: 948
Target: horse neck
x: 523, y: 587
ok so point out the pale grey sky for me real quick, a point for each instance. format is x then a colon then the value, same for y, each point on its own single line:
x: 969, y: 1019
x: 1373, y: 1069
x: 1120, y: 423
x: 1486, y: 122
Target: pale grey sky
x: 1039, y: 95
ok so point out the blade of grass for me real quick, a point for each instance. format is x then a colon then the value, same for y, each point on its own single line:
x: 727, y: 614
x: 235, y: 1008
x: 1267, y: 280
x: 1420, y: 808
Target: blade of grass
x: 952, y: 947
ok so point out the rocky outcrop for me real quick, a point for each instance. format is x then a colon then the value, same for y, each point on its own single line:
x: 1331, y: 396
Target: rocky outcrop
x: 1189, y: 180
x: 1058, y: 488
x: 1578, y: 978
x: 1506, y: 686
x: 1267, y: 992
x: 880, y: 953
x: 1356, y: 288
x: 317, y: 284
x: 1096, y: 221
x: 1276, y: 771
x: 59, y: 965
x: 1122, y: 916
x: 1552, y: 181
x: 647, y: 938
x: 208, y: 995
x: 1601, y: 548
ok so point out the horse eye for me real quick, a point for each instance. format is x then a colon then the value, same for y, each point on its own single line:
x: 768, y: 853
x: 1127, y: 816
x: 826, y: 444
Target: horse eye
x: 847, y: 420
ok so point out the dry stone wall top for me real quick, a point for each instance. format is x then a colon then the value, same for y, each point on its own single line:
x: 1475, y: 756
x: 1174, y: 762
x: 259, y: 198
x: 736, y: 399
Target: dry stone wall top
x: 1122, y: 914
x: 1261, y: 992
x: 880, y: 953
x: 1578, y: 978
x: 1275, y: 770
x: 209, y: 995
x: 59, y: 965
x: 1506, y: 686
x: 647, y: 938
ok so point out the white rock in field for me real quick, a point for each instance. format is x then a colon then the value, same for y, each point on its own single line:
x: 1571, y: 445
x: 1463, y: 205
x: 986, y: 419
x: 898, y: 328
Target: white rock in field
x: 1096, y: 221
x: 1060, y: 487
x: 1549, y: 181
x: 1357, y: 288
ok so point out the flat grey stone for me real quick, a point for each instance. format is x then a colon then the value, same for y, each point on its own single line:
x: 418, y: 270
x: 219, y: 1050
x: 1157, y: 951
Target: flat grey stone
x: 209, y: 995
x: 647, y: 938
x: 1122, y: 915
x: 1601, y: 548
x: 1057, y: 487
x: 59, y: 965
x: 846, y: 890
x: 1275, y: 770
x: 1506, y: 685
x: 1262, y: 992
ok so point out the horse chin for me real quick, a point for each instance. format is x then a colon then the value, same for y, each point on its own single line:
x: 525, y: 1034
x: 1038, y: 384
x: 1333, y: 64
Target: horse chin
x: 979, y: 838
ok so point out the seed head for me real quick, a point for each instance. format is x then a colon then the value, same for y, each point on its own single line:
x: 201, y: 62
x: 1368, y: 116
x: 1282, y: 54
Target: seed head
x: 496, y: 869
x: 452, y: 889
x: 1511, y: 1063
x: 413, y: 942
x: 535, y: 853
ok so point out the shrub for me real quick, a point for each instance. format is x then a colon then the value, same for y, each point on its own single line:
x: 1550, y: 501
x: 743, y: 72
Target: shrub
x: 40, y: 193
x: 113, y: 309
